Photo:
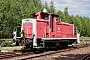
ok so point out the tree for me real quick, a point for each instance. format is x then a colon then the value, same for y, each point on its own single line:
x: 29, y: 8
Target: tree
x: 52, y: 8
x: 66, y: 14
x: 13, y: 11
x: 78, y: 23
x: 46, y: 6
x: 62, y: 16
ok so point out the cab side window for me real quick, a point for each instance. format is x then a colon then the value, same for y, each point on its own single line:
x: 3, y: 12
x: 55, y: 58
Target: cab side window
x: 46, y: 17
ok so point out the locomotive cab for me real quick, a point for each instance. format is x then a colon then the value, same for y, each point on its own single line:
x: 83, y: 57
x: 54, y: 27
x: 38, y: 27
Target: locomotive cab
x: 40, y: 15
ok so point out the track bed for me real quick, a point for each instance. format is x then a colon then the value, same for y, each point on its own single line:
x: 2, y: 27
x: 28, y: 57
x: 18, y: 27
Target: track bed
x: 72, y: 52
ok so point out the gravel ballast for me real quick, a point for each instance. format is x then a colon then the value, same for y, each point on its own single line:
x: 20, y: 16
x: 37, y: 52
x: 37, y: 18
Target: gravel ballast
x: 76, y: 54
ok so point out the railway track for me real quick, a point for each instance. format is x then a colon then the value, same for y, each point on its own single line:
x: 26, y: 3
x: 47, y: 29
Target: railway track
x: 87, y: 57
x: 30, y: 55
x: 7, y: 55
x: 51, y: 52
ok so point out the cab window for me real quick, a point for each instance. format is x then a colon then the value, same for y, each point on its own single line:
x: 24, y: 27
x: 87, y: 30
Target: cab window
x: 46, y: 17
x: 58, y: 19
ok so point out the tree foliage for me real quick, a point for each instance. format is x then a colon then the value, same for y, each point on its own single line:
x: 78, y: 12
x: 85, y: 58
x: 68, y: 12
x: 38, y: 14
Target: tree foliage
x: 13, y: 11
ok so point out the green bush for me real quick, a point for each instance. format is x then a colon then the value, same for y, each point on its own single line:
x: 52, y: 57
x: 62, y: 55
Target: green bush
x: 7, y: 44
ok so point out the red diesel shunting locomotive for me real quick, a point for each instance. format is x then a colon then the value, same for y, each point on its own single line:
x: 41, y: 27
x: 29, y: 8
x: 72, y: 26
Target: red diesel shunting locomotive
x: 44, y: 30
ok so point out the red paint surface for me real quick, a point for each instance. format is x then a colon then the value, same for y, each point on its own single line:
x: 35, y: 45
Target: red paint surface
x: 28, y: 29
x: 43, y: 30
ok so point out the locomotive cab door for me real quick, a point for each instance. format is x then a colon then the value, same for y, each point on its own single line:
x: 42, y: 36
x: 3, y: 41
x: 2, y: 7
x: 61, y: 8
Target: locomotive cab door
x: 16, y: 33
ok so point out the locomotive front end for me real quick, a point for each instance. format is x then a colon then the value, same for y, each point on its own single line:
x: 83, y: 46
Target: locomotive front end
x: 27, y: 33
x: 29, y: 26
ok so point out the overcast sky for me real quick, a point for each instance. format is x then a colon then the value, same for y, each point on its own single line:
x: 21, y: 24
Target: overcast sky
x: 80, y: 7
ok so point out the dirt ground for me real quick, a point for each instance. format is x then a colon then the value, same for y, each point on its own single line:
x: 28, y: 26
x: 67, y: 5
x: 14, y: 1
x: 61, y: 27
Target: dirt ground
x: 76, y: 54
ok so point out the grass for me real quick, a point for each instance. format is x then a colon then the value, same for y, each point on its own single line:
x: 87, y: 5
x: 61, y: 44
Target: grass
x: 84, y: 38
x: 11, y: 48
x: 6, y: 39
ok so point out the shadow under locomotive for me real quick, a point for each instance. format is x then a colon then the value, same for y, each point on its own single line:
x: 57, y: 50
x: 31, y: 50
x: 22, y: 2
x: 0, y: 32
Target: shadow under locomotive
x: 49, y: 46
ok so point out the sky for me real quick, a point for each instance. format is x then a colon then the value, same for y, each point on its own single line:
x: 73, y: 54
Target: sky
x: 80, y: 7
